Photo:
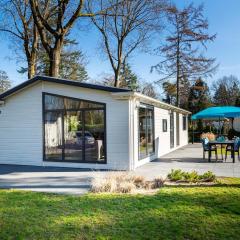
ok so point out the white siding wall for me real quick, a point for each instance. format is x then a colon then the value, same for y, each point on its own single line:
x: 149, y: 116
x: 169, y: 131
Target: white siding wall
x: 162, y: 139
x: 21, y: 127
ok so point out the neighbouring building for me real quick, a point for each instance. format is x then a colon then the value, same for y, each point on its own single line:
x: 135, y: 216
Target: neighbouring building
x: 54, y: 122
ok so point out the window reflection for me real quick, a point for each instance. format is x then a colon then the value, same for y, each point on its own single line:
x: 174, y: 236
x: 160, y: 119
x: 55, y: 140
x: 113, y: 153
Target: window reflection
x: 53, y: 135
x: 94, y: 135
x: 53, y: 102
x: 73, y: 128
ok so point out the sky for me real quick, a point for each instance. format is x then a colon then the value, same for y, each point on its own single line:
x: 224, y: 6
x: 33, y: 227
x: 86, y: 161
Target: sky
x: 224, y: 20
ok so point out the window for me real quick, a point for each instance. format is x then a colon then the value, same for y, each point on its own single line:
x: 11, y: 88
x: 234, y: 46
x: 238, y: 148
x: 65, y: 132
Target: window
x: 184, y: 122
x: 74, y: 130
x: 146, y: 131
x: 164, y: 125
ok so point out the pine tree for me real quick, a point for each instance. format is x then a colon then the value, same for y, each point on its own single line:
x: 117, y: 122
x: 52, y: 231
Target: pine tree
x: 128, y: 79
x: 170, y: 92
x: 199, y: 96
x: 5, y: 83
x: 226, y: 90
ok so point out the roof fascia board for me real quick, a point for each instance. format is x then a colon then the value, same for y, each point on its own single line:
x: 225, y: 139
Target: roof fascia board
x: 141, y: 97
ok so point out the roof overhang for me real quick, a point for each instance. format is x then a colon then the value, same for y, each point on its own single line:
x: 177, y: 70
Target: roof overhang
x: 149, y: 100
x: 37, y: 79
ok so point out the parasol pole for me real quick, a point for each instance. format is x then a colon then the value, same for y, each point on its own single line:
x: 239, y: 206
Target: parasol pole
x: 219, y: 130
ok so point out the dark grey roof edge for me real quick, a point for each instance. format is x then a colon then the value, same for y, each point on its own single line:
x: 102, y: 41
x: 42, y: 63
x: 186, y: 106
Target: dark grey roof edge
x: 61, y: 81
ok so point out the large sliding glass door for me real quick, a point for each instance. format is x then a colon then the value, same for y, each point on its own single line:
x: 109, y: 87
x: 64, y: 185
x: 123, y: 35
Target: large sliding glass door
x: 146, y: 131
x: 172, y: 130
x: 74, y: 130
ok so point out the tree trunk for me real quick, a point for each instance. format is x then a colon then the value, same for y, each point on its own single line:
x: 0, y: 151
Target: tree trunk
x: 55, y: 58
x: 178, y: 72
x: 119, y: 64
x: 177, y: 85
x: 116, y: 78
x: 31, y: 68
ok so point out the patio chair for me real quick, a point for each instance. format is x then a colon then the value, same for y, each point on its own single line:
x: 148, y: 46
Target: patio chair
x: 236, y: 148
x: 207, y: 148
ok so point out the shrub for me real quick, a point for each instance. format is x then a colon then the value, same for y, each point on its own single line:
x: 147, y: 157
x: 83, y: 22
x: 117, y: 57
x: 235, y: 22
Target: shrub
x: 207, y: 177
x: 175, y: 175
x: 191, y: 177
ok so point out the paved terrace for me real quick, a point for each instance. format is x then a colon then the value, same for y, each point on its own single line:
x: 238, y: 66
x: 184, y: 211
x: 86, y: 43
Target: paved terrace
x: 77, y: 181
x: 190, y: 158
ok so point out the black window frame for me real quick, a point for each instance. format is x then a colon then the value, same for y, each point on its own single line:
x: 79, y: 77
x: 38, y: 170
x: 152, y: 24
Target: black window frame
x: 164, y: 125
x: 151, y: 107
x: 184, y: 122
x: 63, y: 138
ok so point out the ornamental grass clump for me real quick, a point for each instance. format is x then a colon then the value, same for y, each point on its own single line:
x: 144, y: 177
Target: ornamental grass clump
x: 124, y: 183
x: 113, y: 183
x: 139, y: 181
x: 158, y: 183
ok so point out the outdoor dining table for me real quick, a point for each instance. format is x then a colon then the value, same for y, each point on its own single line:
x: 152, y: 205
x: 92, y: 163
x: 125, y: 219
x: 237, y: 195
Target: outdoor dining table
x: 221, y: 143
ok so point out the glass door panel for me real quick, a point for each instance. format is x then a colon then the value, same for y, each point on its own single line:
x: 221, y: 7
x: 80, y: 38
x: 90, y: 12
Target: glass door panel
x: 53, y: 135
x: 73, y: 136
x: 142, y: 133
x: 150, y: 133
x: 94, y: 129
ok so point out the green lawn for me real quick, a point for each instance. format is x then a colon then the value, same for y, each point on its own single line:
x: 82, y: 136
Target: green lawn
x: 172, y: 213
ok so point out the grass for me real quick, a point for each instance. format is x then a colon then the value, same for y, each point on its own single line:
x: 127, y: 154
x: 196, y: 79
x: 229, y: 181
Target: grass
x: 224, y: 151
x: 173, y: 213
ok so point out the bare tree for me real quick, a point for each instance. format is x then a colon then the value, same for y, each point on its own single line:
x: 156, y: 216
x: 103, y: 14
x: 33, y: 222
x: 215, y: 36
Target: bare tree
x: 54, y: 20
x: 226, y: 90
x: 124, y: 28
x: 149, y: 90
x: 182, y: 52
x: 16, y: 20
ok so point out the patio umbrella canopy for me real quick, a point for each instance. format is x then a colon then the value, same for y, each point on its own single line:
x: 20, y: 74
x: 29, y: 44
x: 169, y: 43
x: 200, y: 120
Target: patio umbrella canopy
x: 217, y: 113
